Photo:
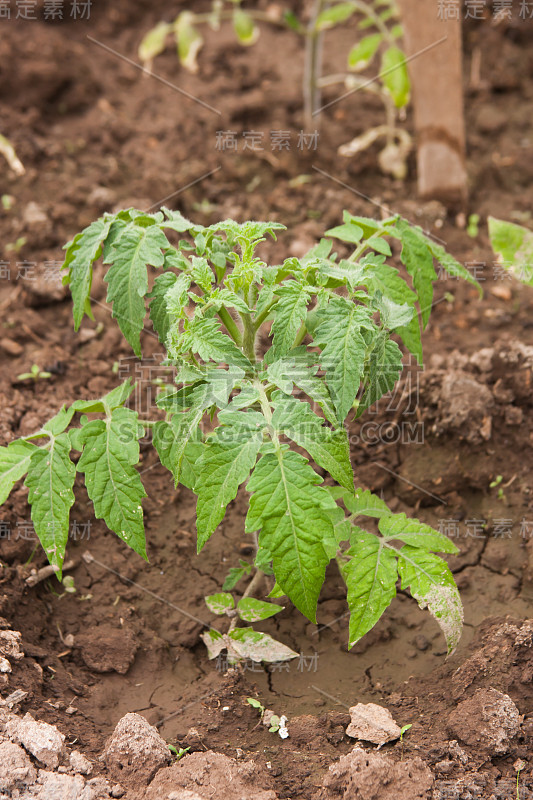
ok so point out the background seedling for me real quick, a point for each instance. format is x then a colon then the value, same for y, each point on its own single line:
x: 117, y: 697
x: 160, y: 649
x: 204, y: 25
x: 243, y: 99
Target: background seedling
x: 35, y: 374
x: 391, y: 83
x: 248, y: 340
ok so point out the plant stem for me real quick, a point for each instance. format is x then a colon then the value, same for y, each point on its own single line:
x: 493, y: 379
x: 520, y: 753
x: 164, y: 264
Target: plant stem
x: 312, y: 67
x: 258, y: 321
x: 231, y: 326
x: 300, y: 336
x: 248, y: 338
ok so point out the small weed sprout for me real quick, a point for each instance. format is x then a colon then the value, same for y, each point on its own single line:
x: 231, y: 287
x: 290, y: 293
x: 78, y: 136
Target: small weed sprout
x: 35, y: 374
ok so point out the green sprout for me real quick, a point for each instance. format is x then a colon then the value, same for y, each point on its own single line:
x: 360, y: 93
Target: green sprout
x: 35, y: 374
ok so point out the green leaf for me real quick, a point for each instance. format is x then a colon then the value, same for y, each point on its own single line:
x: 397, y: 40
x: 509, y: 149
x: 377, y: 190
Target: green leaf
x: 349, y: 232
x: 14, y: 463
x: 432, y: 585
x: 176, y: 222
x: 153, y: 43
x: 60, y: 421
x: 363, y: 52
x: 370, y: 577
x: 257, y: 646
x: 514, y: 244
x: 84, y: 249
x: 205, y: 337
x: 347, y: 271
x: 362, y: 502
x: 394, y: 315
x: 50, y: 480
x: 333, y: 15
x: 225, y: 463
x: 171, y: 440
x: 252, y: 610
x: 287, y: 506
x: 289, y: 313
x: 158, y: 305
x: 189, y: 41
x: 127, y: 277
x: 220, y: 603
x: 416, y: 533
x: 202, y: 273
x: 298, y: 367
x: 329, y: 448
x: 394, y: 76
x: 113, y: 399
x: 235, y: 574
x: 244, y: 27
x: 110, y: 453
x: 450, y: 264
x: 418, y: 261
x: 383, y: 367
x: 344, y: 348
x: 381, y: 277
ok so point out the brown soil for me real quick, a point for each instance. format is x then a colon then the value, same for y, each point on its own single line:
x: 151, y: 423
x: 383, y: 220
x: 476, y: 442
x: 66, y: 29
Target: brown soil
x: 94, y: 135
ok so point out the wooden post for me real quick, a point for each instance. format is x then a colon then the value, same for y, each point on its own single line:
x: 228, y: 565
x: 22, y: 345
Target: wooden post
x: 437, y: 90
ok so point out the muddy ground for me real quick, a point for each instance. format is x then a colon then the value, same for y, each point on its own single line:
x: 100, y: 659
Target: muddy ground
x: 94, y: 134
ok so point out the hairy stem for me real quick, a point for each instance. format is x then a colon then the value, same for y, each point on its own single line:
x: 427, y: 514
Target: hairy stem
x: 258, y: 321
x: 231, y: 326
x: 248, y: 338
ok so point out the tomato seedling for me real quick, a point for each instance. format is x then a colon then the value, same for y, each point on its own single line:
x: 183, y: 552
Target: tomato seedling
x: 273, y: 358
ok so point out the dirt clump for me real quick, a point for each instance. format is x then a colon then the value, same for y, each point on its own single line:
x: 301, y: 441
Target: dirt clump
x: 135, y: 751
x: 107, y: 649
x: 369, y: 776
x: 212, y: 775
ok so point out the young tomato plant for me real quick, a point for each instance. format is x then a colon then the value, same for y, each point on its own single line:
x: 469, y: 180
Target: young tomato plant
x: 391, y: 83
x: 328, y: 324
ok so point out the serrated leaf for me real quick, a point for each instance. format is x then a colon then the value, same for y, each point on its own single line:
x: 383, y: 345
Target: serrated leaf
x: 381, y: 277
x: 418, y: 261
x: 514, y: 244
x: 158, y: 305
x: 14, y: 463
x: 171, y: 440
x: 289, y: 313
x: 349, y: 232
x: 346, y: 271
x: 257, y: 646
x: 220, y: 603
x: 50, y: 479
x: 252, y: 610
x: 343, y: 353
x: 339, y: 12
x: 202, y: 273
x: 60, y: 421
x: 431, y: 583
x: 383, y: 367
x: 287, y: 506
x: 298, y: 367
x: 225, y: 463
x: 127, y: 278
x: 362, y: 53
x: 235, y: 574
x: 450, y: 264
x: 363, y: 502
x: 175, y: 221
x: 84, y: 249
x: 329, y: 448
x: 113, y: 399
x: 394, y: 75
x: 394, y: 315
x: 205, y: 337
x: 370, y: 576
x: 416, y: 533
x: 111, y: 450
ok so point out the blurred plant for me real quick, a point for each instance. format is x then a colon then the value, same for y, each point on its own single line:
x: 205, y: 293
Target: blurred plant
x: 35, y: 374
x: 391, y: 84
x: 8, y: 151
